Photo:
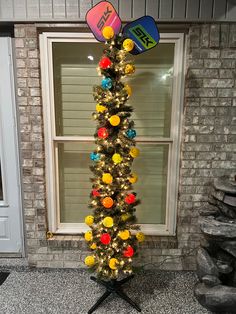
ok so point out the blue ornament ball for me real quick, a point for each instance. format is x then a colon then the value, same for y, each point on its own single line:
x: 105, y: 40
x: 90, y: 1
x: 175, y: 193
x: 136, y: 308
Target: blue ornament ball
x: 131, y: 133
x: 95, y: 156
x: 107, y: 83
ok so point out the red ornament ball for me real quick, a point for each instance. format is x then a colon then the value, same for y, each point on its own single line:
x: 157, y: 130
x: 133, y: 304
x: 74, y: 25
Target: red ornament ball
x: 105, y: 238
x: 103, y: 133
x: 130, y: 198
x: 128, y: 252
x: 95, y: 192
x: 105, y: 63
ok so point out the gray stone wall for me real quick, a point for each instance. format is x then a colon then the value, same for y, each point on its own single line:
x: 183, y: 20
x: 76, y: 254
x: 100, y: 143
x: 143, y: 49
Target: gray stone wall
x: 207, y: 150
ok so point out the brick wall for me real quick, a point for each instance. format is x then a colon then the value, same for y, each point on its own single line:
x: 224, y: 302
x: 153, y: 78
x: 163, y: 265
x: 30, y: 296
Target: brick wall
x: 31, y: 135
x: 209, y: 130
x: 208, y: 147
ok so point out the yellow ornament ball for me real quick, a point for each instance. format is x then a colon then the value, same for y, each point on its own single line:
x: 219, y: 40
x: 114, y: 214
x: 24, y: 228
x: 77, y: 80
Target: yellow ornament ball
x: 129, y: 69
x: 88, y: 236
x: 100, y: 108
x: 124, y: 235
x: 113, y: 262
x: 93, y: 246
x: 89, y: 260
x: 140, y: 236
x: 114, y: 120
x: 133, y: 178
x: 107, y: 178
x: 134, y: 152
x: 128, y: 44
x: 108, y: 32
x: 128, y: 90
x: 108, y: 222
x: 125, y: 217
x: 116, y: 158
x: 89, y: 220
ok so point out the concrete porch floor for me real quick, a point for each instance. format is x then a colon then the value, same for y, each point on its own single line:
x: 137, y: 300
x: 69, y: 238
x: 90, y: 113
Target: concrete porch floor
x: 72, y: 292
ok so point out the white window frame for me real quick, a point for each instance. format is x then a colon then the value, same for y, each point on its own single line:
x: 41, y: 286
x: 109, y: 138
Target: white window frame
x: 51, y: 149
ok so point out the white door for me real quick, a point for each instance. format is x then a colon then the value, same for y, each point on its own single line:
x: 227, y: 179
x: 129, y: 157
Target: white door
x: 10, y: 209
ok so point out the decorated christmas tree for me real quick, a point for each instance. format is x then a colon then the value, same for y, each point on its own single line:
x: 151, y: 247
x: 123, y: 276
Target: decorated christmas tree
x: 112, y: 238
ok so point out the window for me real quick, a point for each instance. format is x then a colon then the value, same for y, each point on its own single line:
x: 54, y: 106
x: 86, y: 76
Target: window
x: 68, y: 62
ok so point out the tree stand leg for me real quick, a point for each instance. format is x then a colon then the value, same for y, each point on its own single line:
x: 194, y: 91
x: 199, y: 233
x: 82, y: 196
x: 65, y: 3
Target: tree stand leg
x: 113, y: 286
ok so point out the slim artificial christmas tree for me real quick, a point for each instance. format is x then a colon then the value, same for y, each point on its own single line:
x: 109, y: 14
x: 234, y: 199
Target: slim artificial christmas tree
x: 113, y: 236
x: 113, y: 201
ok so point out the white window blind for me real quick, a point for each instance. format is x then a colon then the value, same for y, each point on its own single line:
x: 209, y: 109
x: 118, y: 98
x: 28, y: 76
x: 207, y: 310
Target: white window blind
x: 74, y: 180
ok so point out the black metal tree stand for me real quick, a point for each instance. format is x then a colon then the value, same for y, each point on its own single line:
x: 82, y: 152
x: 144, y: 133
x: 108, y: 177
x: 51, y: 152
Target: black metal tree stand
x: 113, y: 286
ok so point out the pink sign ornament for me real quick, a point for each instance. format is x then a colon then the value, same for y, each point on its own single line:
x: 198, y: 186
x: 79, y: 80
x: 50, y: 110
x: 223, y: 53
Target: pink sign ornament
x: 101, y: 15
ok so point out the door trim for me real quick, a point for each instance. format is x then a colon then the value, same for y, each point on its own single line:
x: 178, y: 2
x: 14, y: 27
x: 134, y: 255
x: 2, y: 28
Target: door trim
x: 16, y: 173
x: 16, y: 117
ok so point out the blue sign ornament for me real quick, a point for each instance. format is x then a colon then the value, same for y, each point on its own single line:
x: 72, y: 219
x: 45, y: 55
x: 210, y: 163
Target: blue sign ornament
x: 144, y: 34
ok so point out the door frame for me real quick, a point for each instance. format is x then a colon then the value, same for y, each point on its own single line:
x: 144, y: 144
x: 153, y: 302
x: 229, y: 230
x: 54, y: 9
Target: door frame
x: 17, y: 159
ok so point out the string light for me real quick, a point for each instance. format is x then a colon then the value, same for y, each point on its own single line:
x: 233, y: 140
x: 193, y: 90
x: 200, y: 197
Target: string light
x: 116, y: 142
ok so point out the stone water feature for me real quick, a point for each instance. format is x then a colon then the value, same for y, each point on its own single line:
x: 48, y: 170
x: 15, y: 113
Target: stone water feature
x: 216, y: 259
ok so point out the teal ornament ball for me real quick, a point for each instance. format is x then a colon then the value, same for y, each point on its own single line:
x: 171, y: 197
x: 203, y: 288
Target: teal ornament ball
x: 95, y: 156
x: 131, y: 133
x: 107, y: 83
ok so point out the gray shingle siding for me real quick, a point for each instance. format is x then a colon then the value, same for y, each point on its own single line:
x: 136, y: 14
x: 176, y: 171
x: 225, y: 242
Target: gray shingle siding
x: 161, y: 10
